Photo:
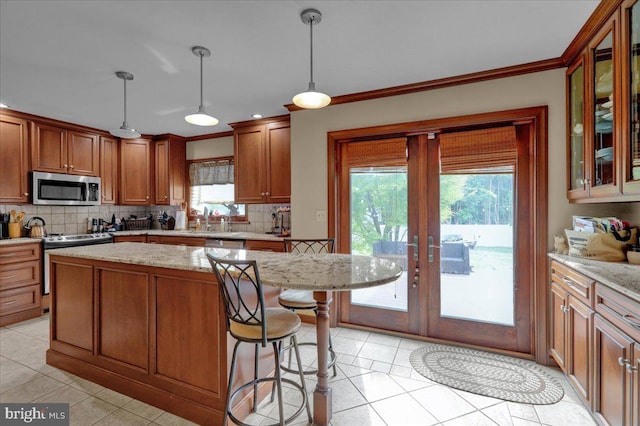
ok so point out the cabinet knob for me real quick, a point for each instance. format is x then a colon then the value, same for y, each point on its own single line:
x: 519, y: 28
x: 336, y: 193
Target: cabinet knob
x: 65, y: 166
x: 631, y: 368
x: 266, y: 193
x: 26, y: 194
x: 262, y: 193
x: 165, y: 197
x: 147, y: 197
x: 623, y: 361
x: 71, y: 166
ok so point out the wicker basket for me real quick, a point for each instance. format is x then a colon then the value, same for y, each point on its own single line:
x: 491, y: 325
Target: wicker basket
x: 135, y: 224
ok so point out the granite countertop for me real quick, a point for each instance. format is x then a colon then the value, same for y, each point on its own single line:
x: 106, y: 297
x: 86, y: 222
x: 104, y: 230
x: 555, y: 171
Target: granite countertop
x: 296, y: 271
x: 620, y: 276
x: 202, y: 234
x: 14, y: 241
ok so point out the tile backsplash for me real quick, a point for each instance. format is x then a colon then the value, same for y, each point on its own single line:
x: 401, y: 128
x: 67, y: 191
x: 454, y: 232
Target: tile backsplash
x: 73, y: 219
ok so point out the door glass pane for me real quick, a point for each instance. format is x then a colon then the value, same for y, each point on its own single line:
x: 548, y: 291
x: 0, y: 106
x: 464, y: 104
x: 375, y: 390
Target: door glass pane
x: 379, y: 228
x: 576, y: 105
x: 634, y: 140
x: 603, y: 172
x: 476, y: 247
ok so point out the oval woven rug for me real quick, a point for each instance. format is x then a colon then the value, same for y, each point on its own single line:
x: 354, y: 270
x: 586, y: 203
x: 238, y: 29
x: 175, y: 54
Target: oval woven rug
x: 485, y: 373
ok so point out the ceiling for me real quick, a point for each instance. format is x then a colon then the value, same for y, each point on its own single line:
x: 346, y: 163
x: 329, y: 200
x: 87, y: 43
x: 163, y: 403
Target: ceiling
x: 58, y: 58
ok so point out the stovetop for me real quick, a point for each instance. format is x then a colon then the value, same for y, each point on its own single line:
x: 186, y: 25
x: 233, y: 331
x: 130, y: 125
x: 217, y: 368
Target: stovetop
x: 80, y: 238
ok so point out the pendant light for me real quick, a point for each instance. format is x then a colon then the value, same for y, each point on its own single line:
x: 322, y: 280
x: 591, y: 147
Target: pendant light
x: 311, y: 99
x: 201, y: 118
x: 125, y: 132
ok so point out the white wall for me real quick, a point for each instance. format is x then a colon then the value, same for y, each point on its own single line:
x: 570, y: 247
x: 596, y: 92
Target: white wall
x: 209, y: 148
x: 309, y: 130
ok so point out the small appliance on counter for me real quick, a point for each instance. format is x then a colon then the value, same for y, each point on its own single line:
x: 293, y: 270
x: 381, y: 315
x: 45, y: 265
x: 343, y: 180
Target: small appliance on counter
x: 4, y: 226
x: 36, y: 230
x: 281, y: 221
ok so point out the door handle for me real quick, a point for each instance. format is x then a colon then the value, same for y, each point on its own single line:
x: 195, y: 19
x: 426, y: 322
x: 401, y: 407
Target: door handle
x: 431, y: 247
x: 415, y: 248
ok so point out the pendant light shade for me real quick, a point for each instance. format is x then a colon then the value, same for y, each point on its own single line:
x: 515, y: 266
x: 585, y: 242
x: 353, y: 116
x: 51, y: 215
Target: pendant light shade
x: 125, y: 132
x: 201, y: 118
x: 311, y: 99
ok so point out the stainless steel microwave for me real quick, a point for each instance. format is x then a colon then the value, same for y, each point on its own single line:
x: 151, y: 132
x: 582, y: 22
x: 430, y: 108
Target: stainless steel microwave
x: 56, y: 189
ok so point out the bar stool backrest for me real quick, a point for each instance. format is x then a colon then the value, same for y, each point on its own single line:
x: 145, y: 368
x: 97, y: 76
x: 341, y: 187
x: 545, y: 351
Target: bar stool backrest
x: 241, y: 290
x: 326, y: 245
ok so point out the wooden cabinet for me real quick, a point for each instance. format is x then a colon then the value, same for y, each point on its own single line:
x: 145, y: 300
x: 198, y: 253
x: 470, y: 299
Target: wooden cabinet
x: 60, y: 150
x: 109, y: 169
x: 603, y: 113
x: 170, y: 163
x: 14, y: 160
x: 177, y: 241
x: 617, y: 353
x: 20, y: 282
x: 130, y: 239
x: 571, y: 325
x: 135, y: 172
x: 262, y: 162
x: 277, y: 246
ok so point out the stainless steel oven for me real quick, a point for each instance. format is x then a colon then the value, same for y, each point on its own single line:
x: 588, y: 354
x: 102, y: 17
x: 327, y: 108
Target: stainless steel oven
x: 61, y: 241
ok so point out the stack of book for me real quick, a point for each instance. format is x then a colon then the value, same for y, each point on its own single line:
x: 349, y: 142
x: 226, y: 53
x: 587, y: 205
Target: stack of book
x: 598, y: 224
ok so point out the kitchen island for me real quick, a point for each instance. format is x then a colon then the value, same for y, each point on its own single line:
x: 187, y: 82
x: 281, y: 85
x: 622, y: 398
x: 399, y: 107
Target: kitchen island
x: 146, y: 319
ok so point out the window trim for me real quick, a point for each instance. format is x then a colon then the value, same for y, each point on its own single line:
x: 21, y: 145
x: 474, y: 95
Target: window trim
x: 212, y: 219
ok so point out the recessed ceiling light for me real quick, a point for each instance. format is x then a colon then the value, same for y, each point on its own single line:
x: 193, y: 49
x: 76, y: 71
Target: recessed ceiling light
x: 256, y: 115
x: 4, y: 105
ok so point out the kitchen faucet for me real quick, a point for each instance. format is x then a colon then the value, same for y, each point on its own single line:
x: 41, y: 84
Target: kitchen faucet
x: 206, y: 219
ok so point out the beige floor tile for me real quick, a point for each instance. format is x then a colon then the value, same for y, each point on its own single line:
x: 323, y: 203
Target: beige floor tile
x: 522, y: 422
x: 85, y: 385
x: 31, y: 390
x: 352, y: 370
x: 347, y: 346
x: 499, y: 413
x: 523, y: 411
x: 478, y: 401
x: 90, y: 411
x: 352, y: 334
x: 400, y: 371
x: 143, y: 410
x: 409, y: 384
x: 349, y: 395
x: 442, y: 402
x: 113, y: 397
x: 14, y: 374
x: 64, y: 394
x: 403, y: 410
x: 122, y: 418
x: 381, y: 367
x: 168, y: 419
x: 376, y: 386
x: 476, y: 419
x: 402, y: 358
x: 378, y: 352
x: 384, y: 339
x: 563, y: 414
x: 362, y: 415
x: 362, y: 362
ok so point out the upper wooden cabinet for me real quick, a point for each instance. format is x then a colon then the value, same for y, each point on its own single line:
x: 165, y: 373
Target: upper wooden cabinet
x: 135, y: 172
x: 603, y: 114
x: 59, y: 150
x: 14, y: 160
x: 109, y: 169
x: 262, y: 154
x: 170, y: 163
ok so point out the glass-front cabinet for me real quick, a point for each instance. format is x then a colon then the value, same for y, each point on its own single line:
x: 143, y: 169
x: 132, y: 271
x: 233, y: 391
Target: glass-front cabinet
x: 575, y: 86
x: 603, y: 112
x: 631, y: 97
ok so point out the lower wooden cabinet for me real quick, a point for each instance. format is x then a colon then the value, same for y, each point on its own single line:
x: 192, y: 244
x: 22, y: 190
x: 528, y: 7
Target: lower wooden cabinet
x: 130, y: 239
x: 262, y: 245
x: 595, y: 339
x: 20, y: 282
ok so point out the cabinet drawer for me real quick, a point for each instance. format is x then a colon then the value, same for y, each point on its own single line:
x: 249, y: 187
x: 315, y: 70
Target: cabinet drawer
x: 576, y: 284
x: 19, y: 299
x: 277, y: 246
x: 19, y: 274
x: 184, y: 241
x: 621, y: 311
x: 19, y: 253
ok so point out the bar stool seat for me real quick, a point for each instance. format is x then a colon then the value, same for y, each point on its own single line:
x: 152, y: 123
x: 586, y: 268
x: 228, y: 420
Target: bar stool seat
x: 281, y: 324
x: 297, y: 299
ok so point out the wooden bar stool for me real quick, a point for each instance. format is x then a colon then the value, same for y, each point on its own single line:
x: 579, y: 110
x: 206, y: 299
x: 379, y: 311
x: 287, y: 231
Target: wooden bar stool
x: 303, y: 299
x: 249, y: 321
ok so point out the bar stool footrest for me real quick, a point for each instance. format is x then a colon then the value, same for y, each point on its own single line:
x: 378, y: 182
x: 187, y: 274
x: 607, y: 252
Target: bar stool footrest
x: 330, y: 364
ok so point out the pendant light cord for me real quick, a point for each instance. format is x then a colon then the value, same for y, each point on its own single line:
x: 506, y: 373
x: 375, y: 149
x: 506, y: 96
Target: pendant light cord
x: 124, y: 123
x: 201, y: 104
x: 311, y: 42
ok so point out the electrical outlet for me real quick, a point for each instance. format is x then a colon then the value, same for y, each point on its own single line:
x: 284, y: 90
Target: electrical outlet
x: 321, y: 215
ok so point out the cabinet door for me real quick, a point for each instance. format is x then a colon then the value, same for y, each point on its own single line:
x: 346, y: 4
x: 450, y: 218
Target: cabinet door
x: 109, y: 169
x: 575, y: 132
x: 279, y: 163
x: 135, y: 172
x: 635, y: 366
x: 604, y: 155
x: 558, y: 325
x: 83, y: 153
x: 14, y: 160
x: 579, y: 325
x: 49, y: 149
x: 249, y: 167
x: 631, y: 97
x: 162, y: 172
x: 612, y: 383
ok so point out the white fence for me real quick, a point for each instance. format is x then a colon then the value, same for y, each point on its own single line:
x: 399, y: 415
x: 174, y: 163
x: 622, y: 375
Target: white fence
x: 485, y: 235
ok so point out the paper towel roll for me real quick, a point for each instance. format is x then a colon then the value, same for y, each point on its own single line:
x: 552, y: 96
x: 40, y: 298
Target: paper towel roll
x: 181, y: 220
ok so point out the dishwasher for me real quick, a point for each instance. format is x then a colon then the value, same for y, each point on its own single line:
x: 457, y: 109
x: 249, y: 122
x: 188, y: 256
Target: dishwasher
x: 222, y: 243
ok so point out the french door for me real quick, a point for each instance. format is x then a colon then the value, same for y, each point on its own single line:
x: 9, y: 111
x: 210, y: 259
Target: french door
x: 448, y: 213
